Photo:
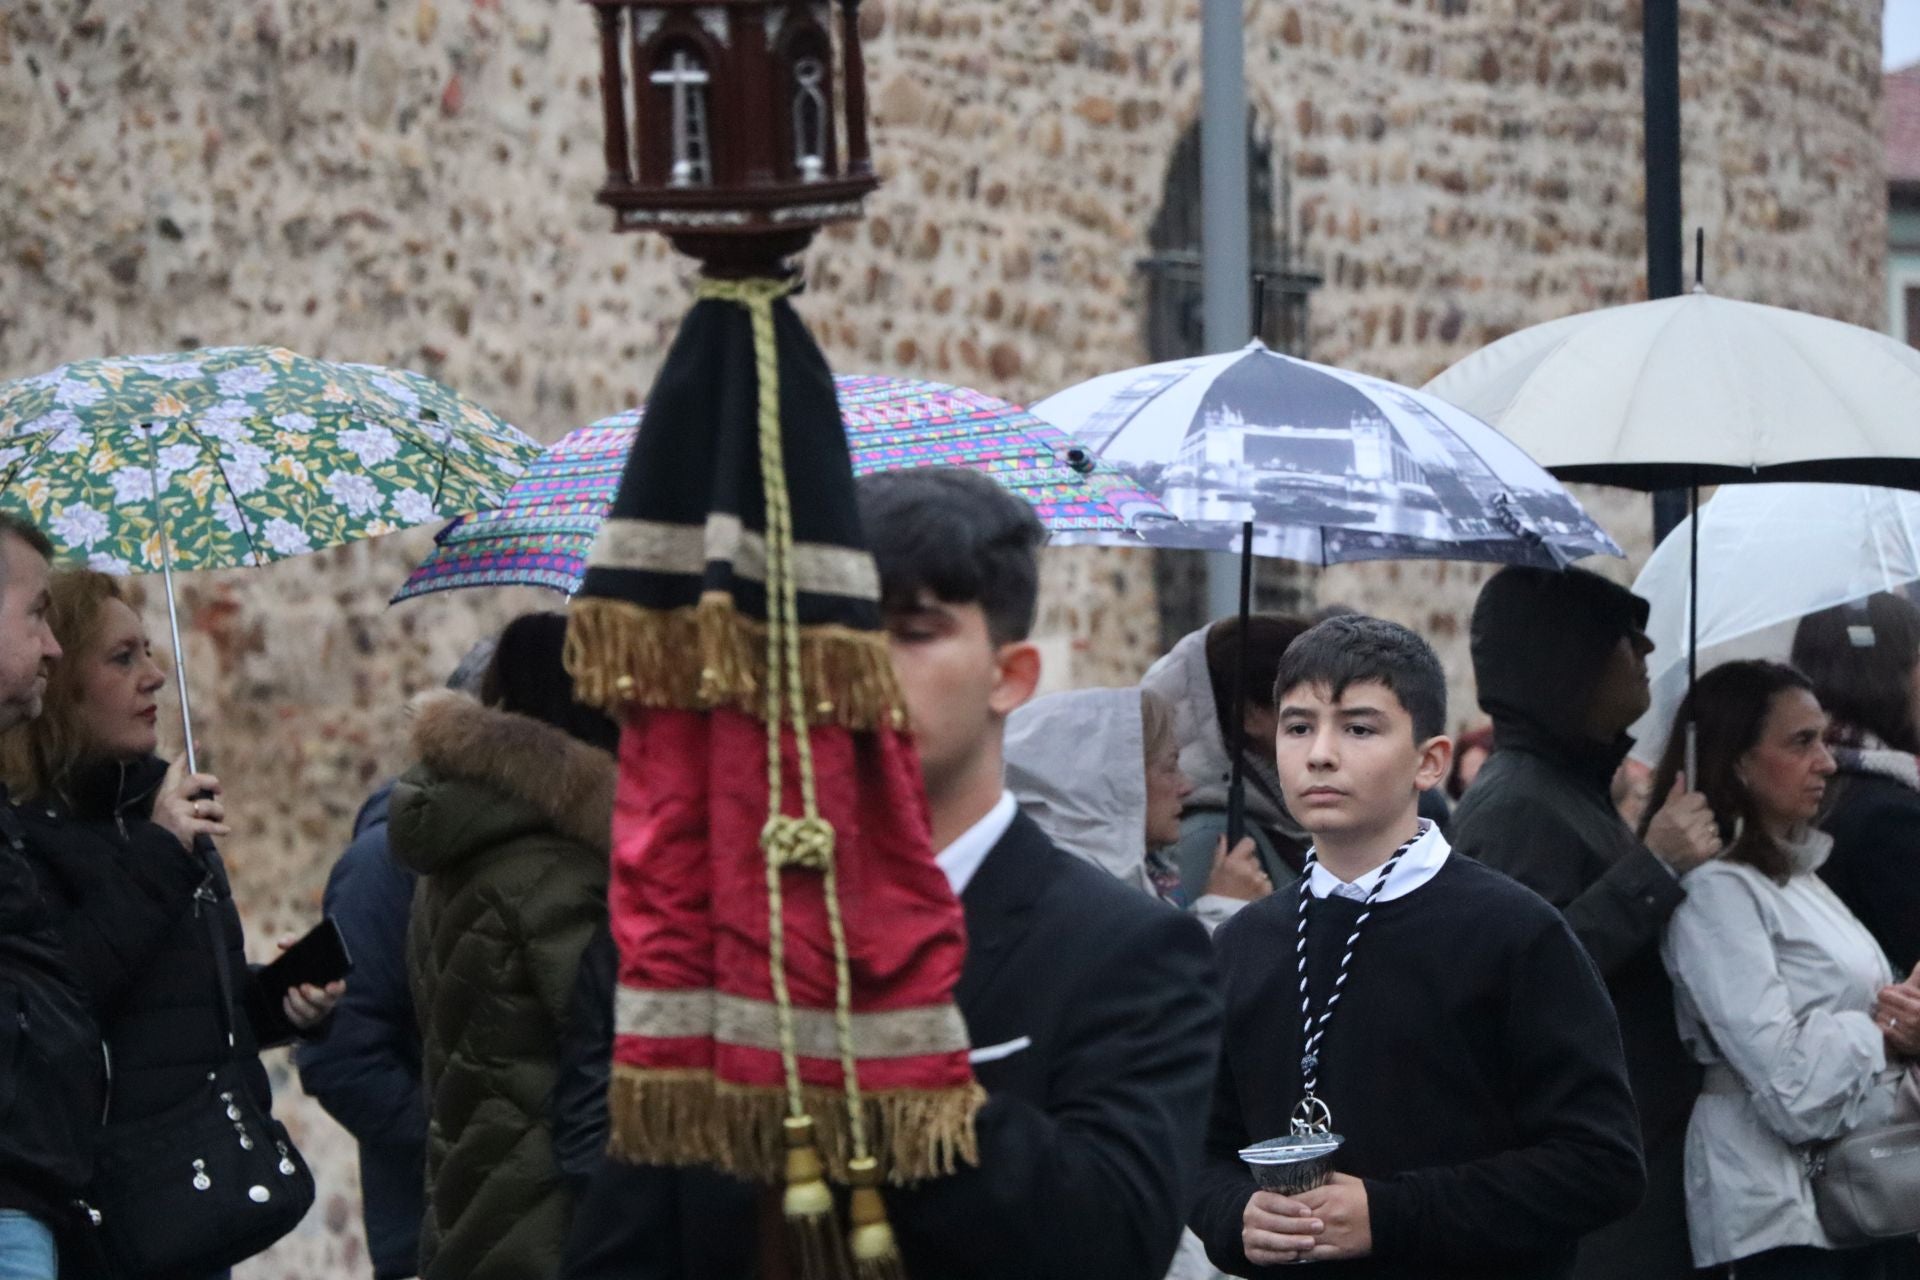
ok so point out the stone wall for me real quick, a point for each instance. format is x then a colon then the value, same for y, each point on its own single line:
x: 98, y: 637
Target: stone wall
x: 409, y: 182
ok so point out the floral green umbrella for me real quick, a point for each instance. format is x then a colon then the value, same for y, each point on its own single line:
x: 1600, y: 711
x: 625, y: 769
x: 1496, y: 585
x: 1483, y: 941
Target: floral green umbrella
x: 258, y: 454
x: 235, y: 456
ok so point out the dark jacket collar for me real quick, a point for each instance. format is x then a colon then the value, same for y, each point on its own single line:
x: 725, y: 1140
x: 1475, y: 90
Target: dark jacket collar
x: 1007, y: 884
x: 101, y: 789
x: 1591, y: 760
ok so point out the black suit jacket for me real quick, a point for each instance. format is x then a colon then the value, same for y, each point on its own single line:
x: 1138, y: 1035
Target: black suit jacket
x: 1090, y: 1139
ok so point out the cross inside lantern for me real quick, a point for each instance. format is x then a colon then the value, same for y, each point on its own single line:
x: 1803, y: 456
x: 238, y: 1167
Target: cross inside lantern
x: 725, y: 119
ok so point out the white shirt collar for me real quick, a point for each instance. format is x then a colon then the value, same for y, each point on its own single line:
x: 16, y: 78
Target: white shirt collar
x: 1419, y: 865
x: 970, y: 848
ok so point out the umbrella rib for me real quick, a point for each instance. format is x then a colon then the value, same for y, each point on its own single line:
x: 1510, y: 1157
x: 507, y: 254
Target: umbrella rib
x: 23, y: 463
x: 1633, y: 396
x: 239, y: 508
x: 1833, y: 388
x: 1141, y: 408
x: 414, y: 427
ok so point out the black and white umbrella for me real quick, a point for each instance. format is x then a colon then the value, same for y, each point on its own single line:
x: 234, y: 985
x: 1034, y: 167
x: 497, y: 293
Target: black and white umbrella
x: 1326, y: 465
x: 1268, y: 455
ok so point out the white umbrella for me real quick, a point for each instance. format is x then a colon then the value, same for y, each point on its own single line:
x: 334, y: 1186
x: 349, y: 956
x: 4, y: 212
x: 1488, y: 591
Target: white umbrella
x: 1700, y: 390
x: 1774, y: 553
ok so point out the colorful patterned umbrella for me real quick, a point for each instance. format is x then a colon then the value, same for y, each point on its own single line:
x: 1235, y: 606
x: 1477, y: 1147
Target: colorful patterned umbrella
x: 542, y: 533
x: 258, y: 454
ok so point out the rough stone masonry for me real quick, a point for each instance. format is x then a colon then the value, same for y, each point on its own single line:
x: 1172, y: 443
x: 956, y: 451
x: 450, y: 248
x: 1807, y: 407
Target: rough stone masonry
x: 410, y: 182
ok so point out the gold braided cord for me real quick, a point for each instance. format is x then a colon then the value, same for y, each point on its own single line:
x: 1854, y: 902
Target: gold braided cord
x: 757, y: 296
x: 843, y: 1014
x: 809, y: 841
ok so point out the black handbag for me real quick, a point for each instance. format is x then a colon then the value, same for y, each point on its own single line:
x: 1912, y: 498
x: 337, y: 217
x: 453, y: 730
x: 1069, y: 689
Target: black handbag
x: 205, y: 1184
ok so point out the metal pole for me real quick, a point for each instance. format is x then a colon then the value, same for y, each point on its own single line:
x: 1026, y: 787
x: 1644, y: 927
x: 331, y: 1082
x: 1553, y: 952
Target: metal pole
x: 1226, y: 239
x: 173, y: 610
x: 1660, y: 93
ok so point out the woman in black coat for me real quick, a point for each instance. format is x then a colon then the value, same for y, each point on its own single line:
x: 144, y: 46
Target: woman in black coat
x: 113, y: 833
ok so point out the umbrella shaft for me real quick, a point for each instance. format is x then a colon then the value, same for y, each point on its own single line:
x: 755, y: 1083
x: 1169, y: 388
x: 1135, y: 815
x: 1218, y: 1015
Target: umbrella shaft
x: 1237, y: 783
x: 173, y: 609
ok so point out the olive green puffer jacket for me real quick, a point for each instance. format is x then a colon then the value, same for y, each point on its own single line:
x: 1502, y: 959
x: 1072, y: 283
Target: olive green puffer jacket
x: 507, y: 820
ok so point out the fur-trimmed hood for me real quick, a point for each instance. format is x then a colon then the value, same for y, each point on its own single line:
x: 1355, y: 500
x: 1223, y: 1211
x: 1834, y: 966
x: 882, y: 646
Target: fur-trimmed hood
x: 486, y: 776
x: 1092, y: 803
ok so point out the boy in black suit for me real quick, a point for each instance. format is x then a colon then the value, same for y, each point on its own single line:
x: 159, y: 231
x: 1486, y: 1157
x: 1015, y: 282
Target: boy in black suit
x: 1093, y: 1009
x: 1438, y: 1016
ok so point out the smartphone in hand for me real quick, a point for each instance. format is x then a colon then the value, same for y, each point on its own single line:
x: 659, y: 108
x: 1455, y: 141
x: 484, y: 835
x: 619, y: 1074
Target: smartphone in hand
x: 316, y: 959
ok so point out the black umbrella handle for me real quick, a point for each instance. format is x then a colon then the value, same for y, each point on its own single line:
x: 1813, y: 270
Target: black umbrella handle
x: 1237, y: 778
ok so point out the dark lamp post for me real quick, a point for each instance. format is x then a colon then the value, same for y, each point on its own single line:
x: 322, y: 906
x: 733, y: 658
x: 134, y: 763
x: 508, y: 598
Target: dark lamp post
x: 731, y: 125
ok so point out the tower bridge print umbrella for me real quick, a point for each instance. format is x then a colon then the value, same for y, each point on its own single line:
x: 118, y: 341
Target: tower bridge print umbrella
x: 1324, y: 464
x: 1282, y: 457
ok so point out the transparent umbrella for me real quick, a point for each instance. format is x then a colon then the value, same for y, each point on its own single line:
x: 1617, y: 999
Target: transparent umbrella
x: 1778, y: 553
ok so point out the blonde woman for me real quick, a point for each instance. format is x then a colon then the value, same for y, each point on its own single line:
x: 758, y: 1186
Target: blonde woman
x: 124, y: 847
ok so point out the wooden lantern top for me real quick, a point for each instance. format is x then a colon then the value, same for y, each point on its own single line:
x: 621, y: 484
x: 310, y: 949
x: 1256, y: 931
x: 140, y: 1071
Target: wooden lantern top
x: 736, y: 127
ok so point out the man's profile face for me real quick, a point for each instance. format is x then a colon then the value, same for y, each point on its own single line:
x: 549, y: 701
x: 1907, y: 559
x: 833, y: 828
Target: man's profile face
x: 1621, y: 695
x: 27, y: 646
x: 950, y: 673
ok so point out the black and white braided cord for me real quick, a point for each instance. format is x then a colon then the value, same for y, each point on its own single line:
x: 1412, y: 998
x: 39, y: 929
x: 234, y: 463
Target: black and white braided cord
x: 1314, y: 1030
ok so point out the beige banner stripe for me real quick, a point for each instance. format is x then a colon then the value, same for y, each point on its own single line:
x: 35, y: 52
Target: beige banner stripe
x: 899, y: 1033
x: 658, y: 547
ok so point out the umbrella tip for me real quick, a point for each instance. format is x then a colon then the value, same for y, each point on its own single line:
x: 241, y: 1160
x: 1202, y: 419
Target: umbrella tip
x: 1080, y: 461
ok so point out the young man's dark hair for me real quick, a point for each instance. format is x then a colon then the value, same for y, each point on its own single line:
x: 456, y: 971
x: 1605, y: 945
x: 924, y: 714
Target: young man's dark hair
x: 959, y: 535
x: 1268, y: 637
x: 1350, y: 649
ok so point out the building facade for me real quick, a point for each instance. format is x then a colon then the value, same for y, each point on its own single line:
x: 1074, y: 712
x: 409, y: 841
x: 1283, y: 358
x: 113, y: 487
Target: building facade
x: 1901, y: 139
x: 410, y: 182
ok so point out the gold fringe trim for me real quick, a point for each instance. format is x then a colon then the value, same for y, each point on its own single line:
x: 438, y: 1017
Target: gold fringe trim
x: 705, y: 656
x: 687, y: 1118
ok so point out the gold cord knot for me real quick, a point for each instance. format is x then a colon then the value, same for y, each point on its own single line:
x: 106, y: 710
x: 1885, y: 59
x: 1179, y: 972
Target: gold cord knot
x: 806, y: 843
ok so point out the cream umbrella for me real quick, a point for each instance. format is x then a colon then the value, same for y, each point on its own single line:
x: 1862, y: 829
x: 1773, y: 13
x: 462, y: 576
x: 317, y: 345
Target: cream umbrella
x: 1700, y: 390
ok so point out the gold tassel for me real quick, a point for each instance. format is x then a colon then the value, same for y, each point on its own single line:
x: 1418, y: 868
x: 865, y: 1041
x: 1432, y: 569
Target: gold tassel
x: 876, y: 1254
x: 708, y: 655
x: 808, y: 1207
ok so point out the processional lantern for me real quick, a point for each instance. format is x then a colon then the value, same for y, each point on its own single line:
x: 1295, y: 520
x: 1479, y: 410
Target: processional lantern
x: 788, y: 959
x: 731, y: 126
